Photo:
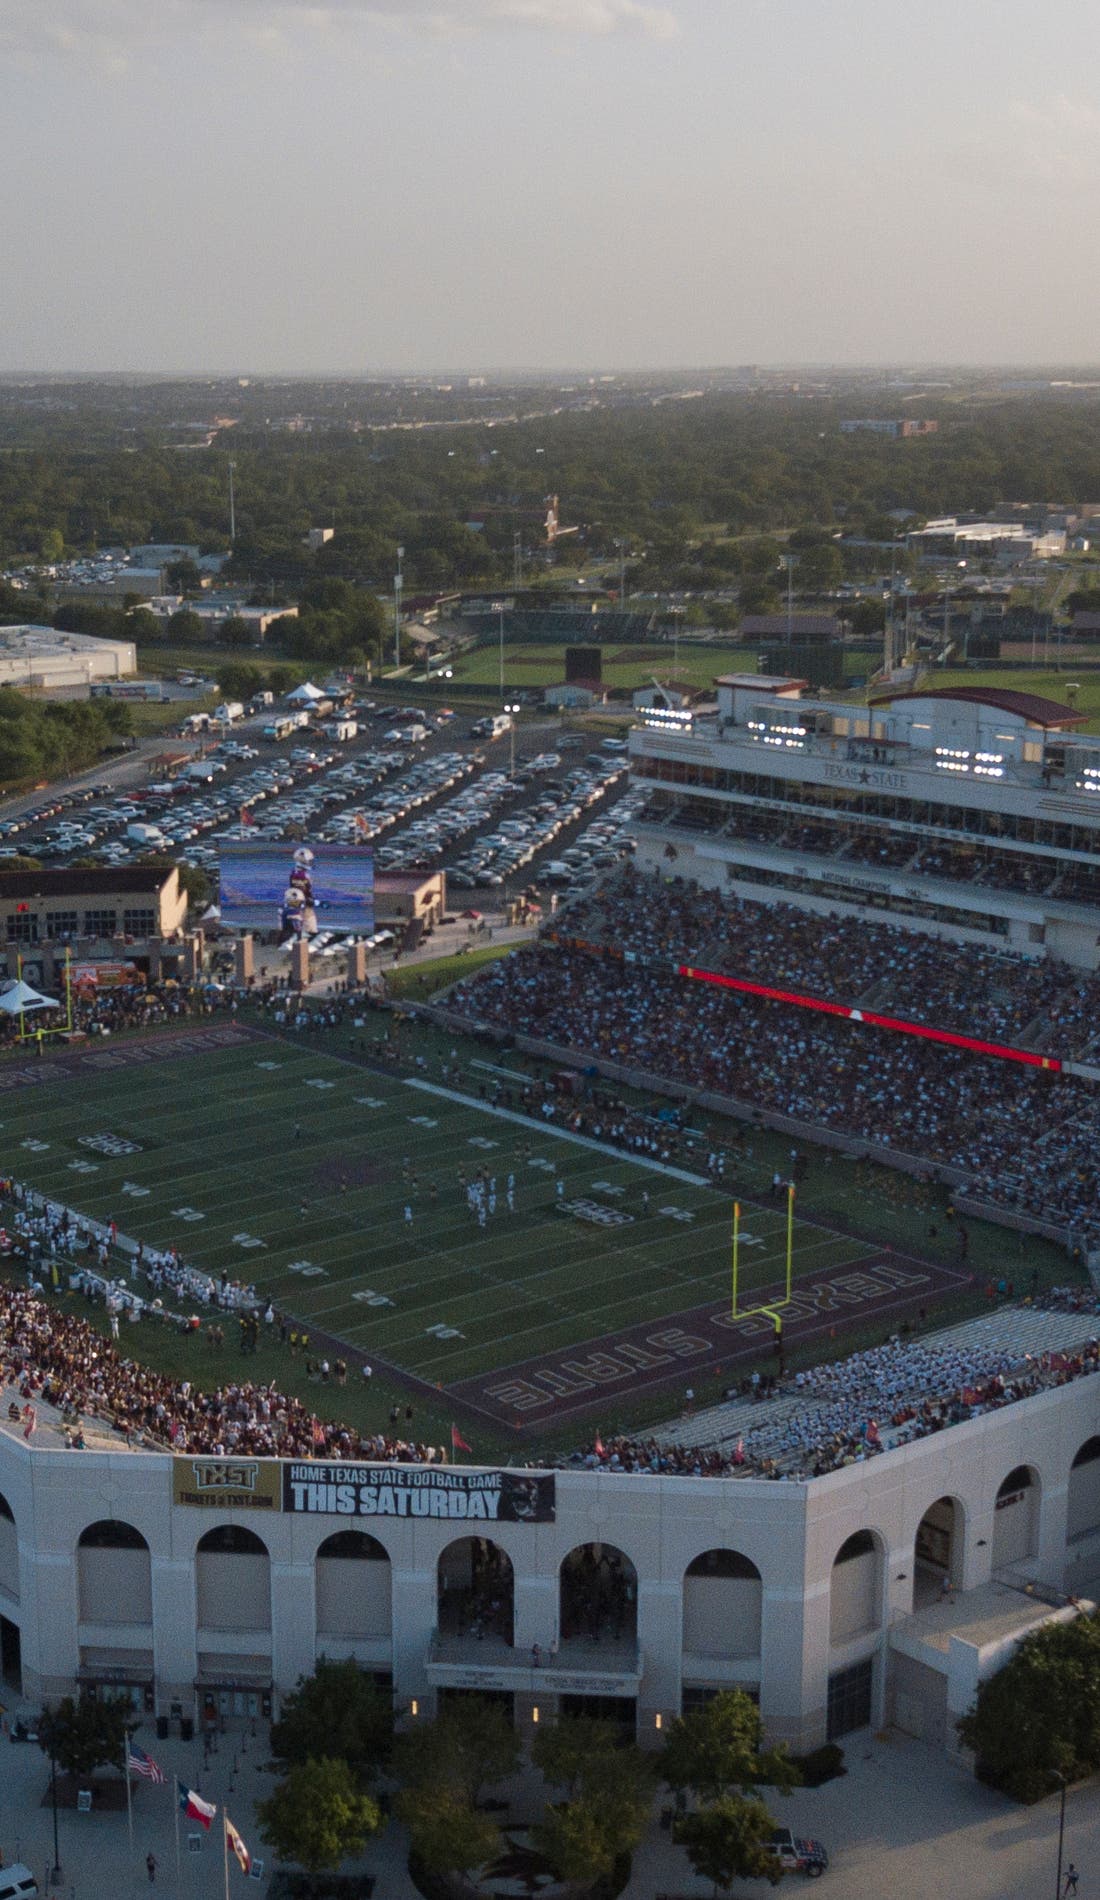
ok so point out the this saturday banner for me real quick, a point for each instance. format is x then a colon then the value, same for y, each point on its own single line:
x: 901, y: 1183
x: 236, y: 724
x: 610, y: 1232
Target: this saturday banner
x: 503, y: 1497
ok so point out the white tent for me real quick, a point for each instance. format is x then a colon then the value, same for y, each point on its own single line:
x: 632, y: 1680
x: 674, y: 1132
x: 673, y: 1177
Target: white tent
x: 304, y: 695
x: 19, y: 998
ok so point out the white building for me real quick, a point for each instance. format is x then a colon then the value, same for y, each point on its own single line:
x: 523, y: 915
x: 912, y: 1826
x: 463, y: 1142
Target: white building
x: 973, y: 813
x: 201, y: 1587
x: 47, y: 658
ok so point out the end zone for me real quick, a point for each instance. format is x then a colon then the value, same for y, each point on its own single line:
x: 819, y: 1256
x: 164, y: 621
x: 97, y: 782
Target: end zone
x: 705, y: 1340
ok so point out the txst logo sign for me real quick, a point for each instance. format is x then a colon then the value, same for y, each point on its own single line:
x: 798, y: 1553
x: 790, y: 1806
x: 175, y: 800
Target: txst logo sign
x: 212, y: 1475
x: 227, y: 1483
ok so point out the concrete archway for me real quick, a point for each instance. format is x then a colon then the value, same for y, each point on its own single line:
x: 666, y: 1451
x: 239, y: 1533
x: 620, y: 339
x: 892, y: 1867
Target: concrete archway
x: 476, y: 1590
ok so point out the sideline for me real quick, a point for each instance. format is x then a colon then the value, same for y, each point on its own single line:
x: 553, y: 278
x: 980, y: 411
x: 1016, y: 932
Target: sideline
x: 560, y: 1134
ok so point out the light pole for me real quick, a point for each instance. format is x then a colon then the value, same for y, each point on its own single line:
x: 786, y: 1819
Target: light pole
x: 947, y: 610
x: 502, y: 652
x: 1061, y: 1832
x: 517, y: 561
x: 621, y: 545
x: 55, y: 1874
x: 512, y: 710
x: 232, y: 508
x: 397, y: 584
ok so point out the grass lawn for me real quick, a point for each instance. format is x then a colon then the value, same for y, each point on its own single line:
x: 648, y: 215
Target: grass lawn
x: 284, y: 1165
x: 533, y: 663
x: 424, y: 980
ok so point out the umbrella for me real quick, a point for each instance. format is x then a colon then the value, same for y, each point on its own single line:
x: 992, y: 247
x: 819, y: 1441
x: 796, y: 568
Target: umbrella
x: 19, y: 997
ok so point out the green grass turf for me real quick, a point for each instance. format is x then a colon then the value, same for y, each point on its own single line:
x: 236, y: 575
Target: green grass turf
x: 227, y: 1148
x: 217, y: 1139
x: 535, y: 663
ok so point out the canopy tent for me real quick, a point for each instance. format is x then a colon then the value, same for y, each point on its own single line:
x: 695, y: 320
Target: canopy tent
x: 304, y: 695
x: 18, y: 998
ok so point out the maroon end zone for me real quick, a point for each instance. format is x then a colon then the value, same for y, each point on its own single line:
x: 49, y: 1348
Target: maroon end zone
x: 702, y: 1342
x: 100, y: 1058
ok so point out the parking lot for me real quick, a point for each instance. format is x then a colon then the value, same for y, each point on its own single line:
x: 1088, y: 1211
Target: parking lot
x: 520, y: 813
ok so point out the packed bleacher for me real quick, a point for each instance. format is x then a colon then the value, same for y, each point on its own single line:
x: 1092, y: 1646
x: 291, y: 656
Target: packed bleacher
x: 852, y: 1410
x: 998, y: 996
x: 1024, y: 1139
x: 54, y: 1358
x: 842, y: 1413
x: 982, y: 861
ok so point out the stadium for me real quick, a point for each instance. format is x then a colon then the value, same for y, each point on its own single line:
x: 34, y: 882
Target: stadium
x: 629, y: 1174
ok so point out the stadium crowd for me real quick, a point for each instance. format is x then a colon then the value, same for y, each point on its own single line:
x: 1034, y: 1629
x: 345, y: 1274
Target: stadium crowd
x: 839, y: 1414
x: 853, y: 960
x: 855, y: 1409
x: 1024, y: 1139
x: 55, y: 1358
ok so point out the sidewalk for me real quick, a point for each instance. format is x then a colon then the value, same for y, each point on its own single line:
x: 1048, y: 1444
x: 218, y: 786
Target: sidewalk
x: 905, y: 1823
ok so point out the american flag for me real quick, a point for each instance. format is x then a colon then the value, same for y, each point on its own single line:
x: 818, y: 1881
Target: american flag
x: 139, y: 1763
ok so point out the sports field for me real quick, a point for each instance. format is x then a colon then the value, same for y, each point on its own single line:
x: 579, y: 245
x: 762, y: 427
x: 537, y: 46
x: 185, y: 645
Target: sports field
x: 342, y: 1194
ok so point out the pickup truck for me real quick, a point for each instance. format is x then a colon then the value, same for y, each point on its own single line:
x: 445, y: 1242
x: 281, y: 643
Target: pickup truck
x: 797, y: 1855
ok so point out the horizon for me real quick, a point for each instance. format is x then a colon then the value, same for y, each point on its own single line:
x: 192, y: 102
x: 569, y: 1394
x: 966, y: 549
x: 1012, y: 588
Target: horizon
x: 550, y: 182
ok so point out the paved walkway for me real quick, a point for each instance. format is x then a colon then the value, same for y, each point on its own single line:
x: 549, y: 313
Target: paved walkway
x: 905, y: 1823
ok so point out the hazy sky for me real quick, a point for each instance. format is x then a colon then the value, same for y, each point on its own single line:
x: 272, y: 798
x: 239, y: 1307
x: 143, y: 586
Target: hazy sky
x: 275, y: 186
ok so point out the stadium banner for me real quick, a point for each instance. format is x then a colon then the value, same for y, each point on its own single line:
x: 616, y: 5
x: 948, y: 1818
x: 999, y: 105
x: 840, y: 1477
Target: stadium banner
x: 227, y: 1484
x: 297, y: 889
x: 501, y: 1497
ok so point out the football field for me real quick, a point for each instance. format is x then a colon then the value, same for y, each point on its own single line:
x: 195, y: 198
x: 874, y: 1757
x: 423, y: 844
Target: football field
x: 341, y: 1193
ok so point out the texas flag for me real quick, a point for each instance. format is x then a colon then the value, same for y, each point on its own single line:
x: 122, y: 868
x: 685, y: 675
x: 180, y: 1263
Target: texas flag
x: 193, y: 1805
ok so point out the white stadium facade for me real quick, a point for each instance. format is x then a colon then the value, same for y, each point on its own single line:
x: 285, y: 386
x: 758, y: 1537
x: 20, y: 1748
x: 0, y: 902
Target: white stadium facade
x: 203, y: 1588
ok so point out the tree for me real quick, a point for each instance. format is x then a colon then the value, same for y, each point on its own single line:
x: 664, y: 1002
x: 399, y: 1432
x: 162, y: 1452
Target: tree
x: 235, y: 631
x: 184, y: 628
x: 318, y: 1816
x: 446, y: 1834
x: 729, y: 1841
x: 82, y: 1735
x: 336, y: 1711
x: 820, y: 568
x: 717, y: 1749
x: 609, y: 1788
x: 566, y: 1750
x: 238, y: 679
x: 465, y: 1749
x: 1039, y: 1716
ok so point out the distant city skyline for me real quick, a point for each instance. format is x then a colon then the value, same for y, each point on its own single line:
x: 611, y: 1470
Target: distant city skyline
x: 547, y: 186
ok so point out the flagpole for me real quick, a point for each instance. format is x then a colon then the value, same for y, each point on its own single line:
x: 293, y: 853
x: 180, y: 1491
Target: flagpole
x: 179, y: 1871
x: 129, y: 1800
x: 225, y: 1847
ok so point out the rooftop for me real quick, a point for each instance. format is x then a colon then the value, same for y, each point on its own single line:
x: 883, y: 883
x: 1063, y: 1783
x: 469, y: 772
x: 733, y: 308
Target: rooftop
x: 71, y: 883
x: 1030, y: 706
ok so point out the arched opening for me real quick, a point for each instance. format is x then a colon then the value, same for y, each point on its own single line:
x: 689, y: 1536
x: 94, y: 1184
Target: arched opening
x: 937, y: 1552
x: 114, y: 1574
x: 352, y: 1577
x: 233, y: 1580
x: 1016, y: 1518
x: 723, y: 1594
x: 476, y: 1590
x: 855, y: 1589
x: 1083, y: 1504
x: 9, y: 1552
x: 599, y: 1595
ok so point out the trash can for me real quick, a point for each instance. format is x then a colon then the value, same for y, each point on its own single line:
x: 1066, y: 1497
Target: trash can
x: 187, y: 1728
x: 162, y: 1728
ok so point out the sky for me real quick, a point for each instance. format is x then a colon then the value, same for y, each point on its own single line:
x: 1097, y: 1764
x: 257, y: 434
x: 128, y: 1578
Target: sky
x: 271, y: 186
